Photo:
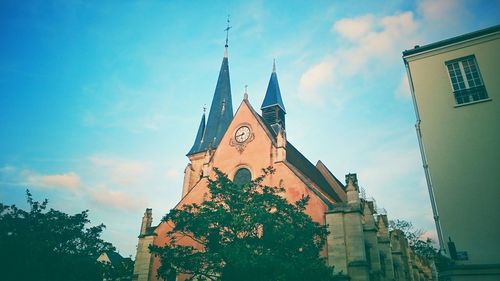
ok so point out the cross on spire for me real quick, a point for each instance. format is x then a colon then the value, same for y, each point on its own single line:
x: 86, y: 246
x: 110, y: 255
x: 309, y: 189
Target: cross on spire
x: 227, y: 31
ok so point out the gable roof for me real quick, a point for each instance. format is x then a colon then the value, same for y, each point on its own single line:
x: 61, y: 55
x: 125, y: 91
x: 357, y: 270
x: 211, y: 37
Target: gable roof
x: 113, y: 257
x: 332, y: 180
x: 299, y: 161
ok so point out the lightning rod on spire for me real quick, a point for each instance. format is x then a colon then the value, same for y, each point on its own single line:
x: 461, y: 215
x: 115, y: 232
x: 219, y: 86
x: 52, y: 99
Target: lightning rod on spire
x: 227, y: 31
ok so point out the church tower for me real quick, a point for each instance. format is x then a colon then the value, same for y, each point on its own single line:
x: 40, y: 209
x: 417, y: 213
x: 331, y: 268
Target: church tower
x: 211, y: 131
x: 273, y: 109
x: 221, y: 113
x: 241, y: 144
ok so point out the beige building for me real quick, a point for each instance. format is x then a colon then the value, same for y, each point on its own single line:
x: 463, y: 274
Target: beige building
x: 455, y: 85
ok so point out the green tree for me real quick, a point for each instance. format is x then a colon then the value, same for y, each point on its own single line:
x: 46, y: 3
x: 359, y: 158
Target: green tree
x: 246, y: 232
x: 423, y: 248
x: 118, y: 271
x: 46, y: 244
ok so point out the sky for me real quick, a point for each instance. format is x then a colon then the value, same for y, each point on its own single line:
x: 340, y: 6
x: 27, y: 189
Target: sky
x: 101, y: 100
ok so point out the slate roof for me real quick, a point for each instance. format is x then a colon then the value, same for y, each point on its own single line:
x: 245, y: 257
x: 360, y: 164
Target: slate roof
x: 151, y: 230
x: 273, y: 93
x: 114, y: 257
x: 299, y: 161
x: 198, y: 141
x: 337, y: 181
x: 221, y: 112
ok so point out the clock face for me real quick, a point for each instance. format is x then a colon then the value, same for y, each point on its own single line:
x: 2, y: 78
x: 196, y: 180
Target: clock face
x: 242, y: 134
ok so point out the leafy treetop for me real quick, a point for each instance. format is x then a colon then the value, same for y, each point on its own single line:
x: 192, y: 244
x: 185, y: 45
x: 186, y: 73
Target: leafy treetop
x: 46, y: 244
x: 423, y: 248
x: 243, y: 232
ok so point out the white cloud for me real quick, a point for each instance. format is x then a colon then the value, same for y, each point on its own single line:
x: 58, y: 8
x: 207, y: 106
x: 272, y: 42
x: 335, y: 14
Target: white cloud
x: 7, y: 169
x: 403, y: 89
x: 152, y: 122
x: 390, y: 163
x: 354, y: 28
x: 376, y: 41
x: 429, y: 234
x: 70, y: 180
x: 115, y: 199
x: 383, y: 43
x: 315, y: 79
x: 173, y: 173
x: 448, y: 11
x: 121, y: 171
x: 373, y: 41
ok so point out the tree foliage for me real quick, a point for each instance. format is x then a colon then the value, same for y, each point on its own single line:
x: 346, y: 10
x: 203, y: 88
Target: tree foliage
x: 46, y: 244
x: 423, y: 248
x: 121, y: 271
x: 244, y: 232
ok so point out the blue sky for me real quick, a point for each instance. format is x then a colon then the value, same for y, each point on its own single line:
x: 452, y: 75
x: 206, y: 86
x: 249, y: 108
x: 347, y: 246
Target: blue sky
x: 100, y: 102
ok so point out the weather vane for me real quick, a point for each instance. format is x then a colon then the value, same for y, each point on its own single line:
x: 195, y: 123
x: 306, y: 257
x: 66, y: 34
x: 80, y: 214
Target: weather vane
x: 227, y: 30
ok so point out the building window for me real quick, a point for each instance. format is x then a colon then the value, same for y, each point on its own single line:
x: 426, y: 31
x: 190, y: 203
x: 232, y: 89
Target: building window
x: 466, y: 80
x: 242, y: 176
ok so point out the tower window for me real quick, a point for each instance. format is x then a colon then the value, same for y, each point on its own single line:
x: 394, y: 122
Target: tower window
x: 466, y: 80
x: 242, y: 176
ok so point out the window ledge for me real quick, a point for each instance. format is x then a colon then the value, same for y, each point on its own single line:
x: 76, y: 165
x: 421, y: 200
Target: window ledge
x: 472, y: 102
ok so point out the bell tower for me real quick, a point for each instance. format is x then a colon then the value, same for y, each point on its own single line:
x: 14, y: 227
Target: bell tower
x: 273, y: 109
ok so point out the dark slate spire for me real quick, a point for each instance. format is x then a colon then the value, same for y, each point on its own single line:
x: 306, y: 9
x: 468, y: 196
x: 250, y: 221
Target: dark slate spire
x: 273, y: 93
x: 273, y: 109
x: 221, y: 110
x: 198, y: 141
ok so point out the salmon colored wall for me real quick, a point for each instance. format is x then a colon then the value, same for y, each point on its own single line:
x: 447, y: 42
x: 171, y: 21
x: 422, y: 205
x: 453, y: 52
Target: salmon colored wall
x: 258, y: 154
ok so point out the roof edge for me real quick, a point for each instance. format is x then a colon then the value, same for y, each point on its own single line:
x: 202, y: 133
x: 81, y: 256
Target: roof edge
x: 271, y: 105
x: 452, y: 40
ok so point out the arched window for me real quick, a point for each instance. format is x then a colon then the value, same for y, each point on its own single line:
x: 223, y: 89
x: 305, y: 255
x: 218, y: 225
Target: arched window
x: 242, y: 176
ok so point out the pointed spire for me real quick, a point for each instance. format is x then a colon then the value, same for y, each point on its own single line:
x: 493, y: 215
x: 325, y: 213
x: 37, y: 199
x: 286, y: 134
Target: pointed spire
x: 221, y: 110
x: 273, y: 109
x: 198, y: 141
x: 273, y: 93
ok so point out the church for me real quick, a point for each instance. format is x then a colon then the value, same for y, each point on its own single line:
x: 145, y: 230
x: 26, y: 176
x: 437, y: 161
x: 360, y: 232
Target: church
x: 242, y: 143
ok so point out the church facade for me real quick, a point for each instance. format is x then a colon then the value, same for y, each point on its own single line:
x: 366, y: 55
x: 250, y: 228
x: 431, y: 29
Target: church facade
x: 359, y: 244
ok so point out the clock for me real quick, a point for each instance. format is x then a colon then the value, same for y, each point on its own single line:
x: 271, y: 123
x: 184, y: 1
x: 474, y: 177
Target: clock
x: 242, y: 134
x: 242, y: 137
